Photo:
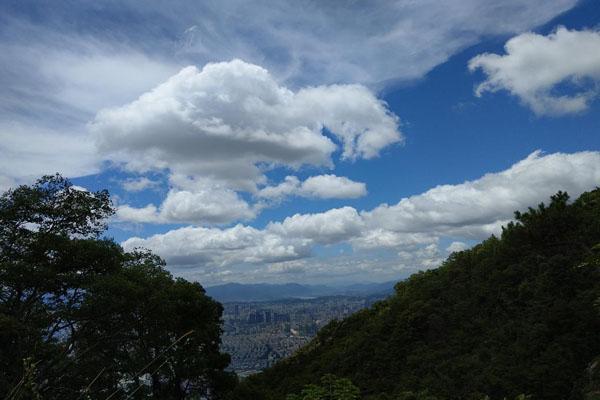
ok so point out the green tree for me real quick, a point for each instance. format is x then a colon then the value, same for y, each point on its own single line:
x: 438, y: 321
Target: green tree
x: 81, y: 317
x: 421, y: 395
x: 331, y: 388
x: 50, y: 252
x: 153, y: 329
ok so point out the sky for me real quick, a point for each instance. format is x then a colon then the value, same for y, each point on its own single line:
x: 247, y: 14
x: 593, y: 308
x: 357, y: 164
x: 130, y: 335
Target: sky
x: 307, y: 141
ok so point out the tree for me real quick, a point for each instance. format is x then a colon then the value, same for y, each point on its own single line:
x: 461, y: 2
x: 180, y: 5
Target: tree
x: 49, y: 254
x: 331, y: 388
x: 154, y: 329
x: 79, y: 316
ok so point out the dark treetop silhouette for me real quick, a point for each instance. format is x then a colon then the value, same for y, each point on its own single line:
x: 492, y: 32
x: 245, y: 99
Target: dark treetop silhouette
x: 80, y: 317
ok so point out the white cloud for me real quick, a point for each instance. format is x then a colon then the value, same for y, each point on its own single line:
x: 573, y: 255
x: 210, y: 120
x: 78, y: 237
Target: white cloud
x: 288, y: 240
x: 51, y: 84
x: 119, y: 75
x: 472, y: 210
x: 333, y: 187
x: 426, y: 257
x: 209, y: 204
x: 6, y: 183
x: 220, y: 247
x: 27, y: 152
x: 320, y: 186
x: 332, y: 226
x: 290, y: 186
x: 211, y: 129
x: 381, y: 238
x: 67, y: 77
x: 198, y: 200
x: 456, y: 247
x: 315, y: 42
x: 221, y: 121
x: 534, y: 65
x: 148, y: 213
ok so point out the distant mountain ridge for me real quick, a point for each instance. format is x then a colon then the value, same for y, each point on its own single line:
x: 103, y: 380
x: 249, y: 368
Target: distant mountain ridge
x: 240, y: 292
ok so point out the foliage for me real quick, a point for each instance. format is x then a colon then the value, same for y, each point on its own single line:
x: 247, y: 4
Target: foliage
x: 331, y: 388
x: 80, y: 317
x: 515, y: 314
x: 421, y: 395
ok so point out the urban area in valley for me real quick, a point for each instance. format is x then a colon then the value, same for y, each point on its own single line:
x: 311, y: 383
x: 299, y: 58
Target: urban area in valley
x: 257, y: 334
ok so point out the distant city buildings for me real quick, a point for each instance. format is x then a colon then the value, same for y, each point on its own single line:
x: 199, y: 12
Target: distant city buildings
x: 258, y: 334
x: 265, y: 316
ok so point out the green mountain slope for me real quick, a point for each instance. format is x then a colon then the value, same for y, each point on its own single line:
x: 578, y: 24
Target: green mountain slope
x: 515, y: 314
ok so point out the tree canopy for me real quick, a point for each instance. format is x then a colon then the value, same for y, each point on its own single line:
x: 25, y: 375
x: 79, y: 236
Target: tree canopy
x: 81, y: 317
x: 330, y: 388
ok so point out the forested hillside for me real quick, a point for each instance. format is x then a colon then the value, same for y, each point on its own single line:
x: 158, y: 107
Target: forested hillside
x: 518, y: 314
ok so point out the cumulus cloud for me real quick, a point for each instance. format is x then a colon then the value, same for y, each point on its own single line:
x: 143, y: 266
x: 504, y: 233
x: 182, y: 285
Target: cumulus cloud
x: 340, y: 268
x: 215, y: 130
x: 535, y: 65
x: 320, y: 186
x: 332, y: 226
x: 199, y: 200
x: 472, y: 208
x: 426, y: 257
x: 209, y: 204
x: 290, y: 239
x: 148, y: 213
x: 220, y: 247
x: 412, y: 227
x: 377, y: 238
x: 331, y: 186
x: 456, y: 246
x: 221, y: 121
x: 290, y: 186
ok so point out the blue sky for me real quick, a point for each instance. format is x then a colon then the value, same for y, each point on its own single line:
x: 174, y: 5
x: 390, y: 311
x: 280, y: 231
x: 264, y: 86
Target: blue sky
x: 284, y: 142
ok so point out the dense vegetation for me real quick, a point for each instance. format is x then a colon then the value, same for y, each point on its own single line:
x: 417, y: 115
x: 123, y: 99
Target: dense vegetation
x: 81, y: 318
x: 514, y: 317
x: 330, y: 388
